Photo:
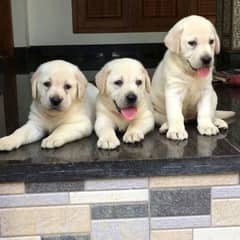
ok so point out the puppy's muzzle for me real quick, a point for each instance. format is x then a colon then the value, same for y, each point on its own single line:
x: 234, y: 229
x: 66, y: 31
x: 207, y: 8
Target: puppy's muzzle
x: 131, y: 99
x: 55, y: 101
x: 206, y: 60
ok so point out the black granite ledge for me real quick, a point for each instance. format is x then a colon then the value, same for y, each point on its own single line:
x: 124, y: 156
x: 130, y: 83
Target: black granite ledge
x: 29, y: 58
x: 155, y: 156
x: 145, y: 168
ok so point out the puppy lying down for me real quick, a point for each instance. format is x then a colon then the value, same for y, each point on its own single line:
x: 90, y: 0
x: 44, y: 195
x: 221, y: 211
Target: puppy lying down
x: 63, y: 108
x: 182, y: 83
x: 123, y: 103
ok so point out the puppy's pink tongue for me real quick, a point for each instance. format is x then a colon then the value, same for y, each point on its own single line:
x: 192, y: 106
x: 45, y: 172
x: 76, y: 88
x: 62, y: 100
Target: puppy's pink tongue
x: 203, y: 72
x: 129, y: 113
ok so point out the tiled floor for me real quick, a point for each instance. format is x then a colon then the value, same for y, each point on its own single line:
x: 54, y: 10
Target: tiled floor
x: 122, y: 209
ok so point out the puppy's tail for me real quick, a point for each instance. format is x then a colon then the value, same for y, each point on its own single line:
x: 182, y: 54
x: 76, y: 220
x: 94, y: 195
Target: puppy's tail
x: 225, y: 114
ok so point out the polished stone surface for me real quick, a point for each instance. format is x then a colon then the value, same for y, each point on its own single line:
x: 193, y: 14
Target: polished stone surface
x: 154, y: 156
x: 119, y: 211
x: 44, y: 187
x: 180, y: 202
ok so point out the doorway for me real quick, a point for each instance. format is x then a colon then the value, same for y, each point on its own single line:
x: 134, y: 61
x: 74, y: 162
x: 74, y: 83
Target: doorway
x: 8, y: 90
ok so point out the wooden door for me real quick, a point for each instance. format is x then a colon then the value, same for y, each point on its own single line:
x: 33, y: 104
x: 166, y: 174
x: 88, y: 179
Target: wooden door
x: 206, y: 8
x: 136, y: 15
x: 158, y: 15
x: 6, y: 34
x: 101, y: 16
x: 9, y: 90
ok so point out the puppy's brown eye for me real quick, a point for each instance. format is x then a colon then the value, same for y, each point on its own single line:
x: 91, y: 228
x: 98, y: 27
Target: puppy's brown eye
x: 192, y: 43
x: 118, y: 82
x: 139, y: 82
x: 67, y: 86
x: 47, y: 84
x: 211, y: 41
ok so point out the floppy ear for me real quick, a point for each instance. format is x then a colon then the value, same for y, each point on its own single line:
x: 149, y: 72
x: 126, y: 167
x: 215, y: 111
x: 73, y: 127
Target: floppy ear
x: 101, y: 78
x: 34, y: 80
x: 217, y: 42
x: 173, y: 37
x: 82, y: 83
x: 147, y: 81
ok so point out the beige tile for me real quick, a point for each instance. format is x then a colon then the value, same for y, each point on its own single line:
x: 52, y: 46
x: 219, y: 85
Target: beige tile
x: 232, y: 233
x: 185, y: 234
x: 45, y: 220
x: 226, y: 212
x: 109, y: 196
x: 11, y: 188
x: 194, y: 180
x: 21, y: 238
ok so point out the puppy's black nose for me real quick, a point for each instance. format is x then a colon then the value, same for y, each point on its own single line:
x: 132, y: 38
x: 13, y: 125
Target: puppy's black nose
x: 131, y: 98
x: 55, y: 100
x: 206, y: 60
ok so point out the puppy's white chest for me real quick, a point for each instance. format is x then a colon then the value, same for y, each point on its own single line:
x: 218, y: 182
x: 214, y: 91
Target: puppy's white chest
x: 121, y: 124
x: 52, y: 124
x: 194, y: 93
x: 192, y: 97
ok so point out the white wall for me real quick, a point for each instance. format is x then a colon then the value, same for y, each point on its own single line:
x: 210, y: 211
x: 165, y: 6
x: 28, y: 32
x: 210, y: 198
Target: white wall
x: 20, y: 28
x: 49, y: 22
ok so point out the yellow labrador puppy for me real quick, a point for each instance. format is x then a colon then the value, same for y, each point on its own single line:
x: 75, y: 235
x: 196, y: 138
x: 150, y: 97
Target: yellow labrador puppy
x: 182, y: 83
x: 123, y: 103
x: 63, y: 106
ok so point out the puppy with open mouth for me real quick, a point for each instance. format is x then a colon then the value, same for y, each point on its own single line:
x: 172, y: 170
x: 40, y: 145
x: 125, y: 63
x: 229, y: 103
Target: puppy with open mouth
x: 123, y: 103
x: 182, y: 83
x: 63, y: 108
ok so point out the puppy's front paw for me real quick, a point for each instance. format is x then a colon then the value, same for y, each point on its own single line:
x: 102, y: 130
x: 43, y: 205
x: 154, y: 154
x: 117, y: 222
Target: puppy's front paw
x: 8, y: 144
x: 177, y: 134
x: 52, y: 142
x: 163, y: 129
x: 108, y: 142
x: 221, y: 124
x: 133, y: 136
x: 208, y: 129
